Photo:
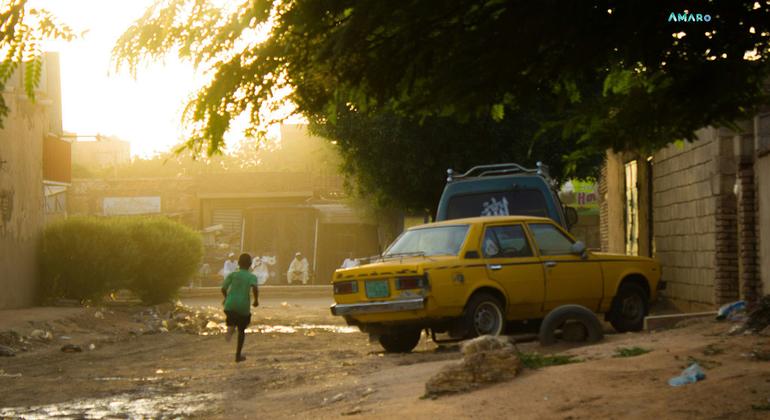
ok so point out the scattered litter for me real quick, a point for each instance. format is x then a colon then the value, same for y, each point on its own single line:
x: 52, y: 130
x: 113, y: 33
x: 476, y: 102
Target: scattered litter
x: 71, y: 348
x: 486, y: 360
x: 3, y: 374
x: 285, y: 304
x: 211, y: 325
x: 692, y: 374
x: 730, y: 310
x: 6, y: 351
x: 355, y: 410
x: 334, y: 399
x: 159, y: 371
x: 98, y: 315
x: 762, y: 355
x: 368, y: 391
x: 41, y: 335
x: 759, y: 317
x: 65, y: 337
x: 92, y: 346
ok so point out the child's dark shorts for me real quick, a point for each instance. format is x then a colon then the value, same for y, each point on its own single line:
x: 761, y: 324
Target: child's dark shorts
x: 234, y: 319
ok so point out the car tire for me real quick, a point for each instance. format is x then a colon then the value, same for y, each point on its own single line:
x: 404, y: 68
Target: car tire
x: 560, y: 316
x: 629, y: 307
x: 484, y: 315
x: 401, y: 340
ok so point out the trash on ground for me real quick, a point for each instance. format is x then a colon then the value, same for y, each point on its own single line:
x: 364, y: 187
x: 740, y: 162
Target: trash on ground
x: 730, y: 310
x: 486, y: 360
x: 3, y: 374
x: 71, y: 348
x: 692, y: 374
x: 759, y: 316
x: 6, y: 351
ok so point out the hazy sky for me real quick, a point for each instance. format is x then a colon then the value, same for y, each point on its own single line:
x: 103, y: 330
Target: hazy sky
x: 145, y: 111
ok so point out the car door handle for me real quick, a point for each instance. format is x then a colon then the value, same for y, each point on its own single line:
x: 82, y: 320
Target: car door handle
x: 495, y: 266
x: 550, y: 264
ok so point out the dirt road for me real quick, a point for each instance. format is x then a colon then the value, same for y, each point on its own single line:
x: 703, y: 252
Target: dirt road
x: 304, y: 363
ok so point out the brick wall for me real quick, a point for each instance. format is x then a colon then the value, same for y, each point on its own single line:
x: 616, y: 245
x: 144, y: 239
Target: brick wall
x: 750, y: 284
x: 691, y: 216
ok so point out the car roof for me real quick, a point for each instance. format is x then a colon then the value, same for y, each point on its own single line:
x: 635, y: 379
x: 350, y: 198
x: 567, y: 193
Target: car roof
x: 484, y: 219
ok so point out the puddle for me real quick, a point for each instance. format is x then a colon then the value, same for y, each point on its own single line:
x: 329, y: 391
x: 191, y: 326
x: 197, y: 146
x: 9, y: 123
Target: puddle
x: 285, y: 329
x: 120, y: 406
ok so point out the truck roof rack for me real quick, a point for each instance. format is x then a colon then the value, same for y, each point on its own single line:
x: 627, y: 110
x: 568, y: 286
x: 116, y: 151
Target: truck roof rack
x: 499, y: 169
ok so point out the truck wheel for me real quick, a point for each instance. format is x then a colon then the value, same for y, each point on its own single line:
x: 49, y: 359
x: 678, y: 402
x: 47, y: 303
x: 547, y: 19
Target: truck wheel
x: 629, y: 307
x: 483, y: 316
x: 563, y: 318
x: 401, y: 340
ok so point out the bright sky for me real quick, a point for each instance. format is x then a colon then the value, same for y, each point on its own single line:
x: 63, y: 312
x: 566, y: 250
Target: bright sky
x: 145, y: 111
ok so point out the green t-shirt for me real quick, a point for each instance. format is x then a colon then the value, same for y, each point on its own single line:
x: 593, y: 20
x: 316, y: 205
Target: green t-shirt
x: 238, y: 285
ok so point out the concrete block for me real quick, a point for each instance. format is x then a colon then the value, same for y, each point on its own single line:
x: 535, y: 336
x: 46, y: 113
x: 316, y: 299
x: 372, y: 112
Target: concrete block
x: 662, y: 322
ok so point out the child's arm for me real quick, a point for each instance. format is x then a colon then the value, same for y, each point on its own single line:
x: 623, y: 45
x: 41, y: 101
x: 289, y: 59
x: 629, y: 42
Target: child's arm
x: 255, y: 292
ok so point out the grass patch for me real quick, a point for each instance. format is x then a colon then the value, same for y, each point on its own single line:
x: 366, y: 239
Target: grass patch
x: 536, y: 360
x: 630, y: 351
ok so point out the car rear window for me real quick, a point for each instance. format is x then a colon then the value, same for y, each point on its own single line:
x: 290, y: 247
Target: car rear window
x: 524, y: 202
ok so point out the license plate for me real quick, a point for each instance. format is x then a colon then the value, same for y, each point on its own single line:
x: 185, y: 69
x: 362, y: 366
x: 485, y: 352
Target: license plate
x: 377, y: 289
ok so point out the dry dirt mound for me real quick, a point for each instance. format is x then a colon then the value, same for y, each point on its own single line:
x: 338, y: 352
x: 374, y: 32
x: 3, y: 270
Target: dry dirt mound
x: 486, y: 360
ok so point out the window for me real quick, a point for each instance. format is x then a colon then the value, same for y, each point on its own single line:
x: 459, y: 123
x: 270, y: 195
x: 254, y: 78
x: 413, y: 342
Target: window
x: 443, y: 240
x: 506, y: 242
x: 550, y: 240
x: 523, y: 202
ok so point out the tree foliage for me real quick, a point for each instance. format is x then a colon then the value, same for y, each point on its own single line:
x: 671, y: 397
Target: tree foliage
x: 23, y: 30
x: 400, y: 163
x: 616, y: 73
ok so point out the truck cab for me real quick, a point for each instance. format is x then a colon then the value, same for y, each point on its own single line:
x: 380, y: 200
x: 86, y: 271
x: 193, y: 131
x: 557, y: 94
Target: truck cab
x: 503, y: 190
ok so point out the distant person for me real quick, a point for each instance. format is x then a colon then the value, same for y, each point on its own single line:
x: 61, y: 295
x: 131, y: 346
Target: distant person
x: 235, y: 289
x: 259, y: 269
x: 230, y: 265
x: 297, y: 270
x: 350, y: 262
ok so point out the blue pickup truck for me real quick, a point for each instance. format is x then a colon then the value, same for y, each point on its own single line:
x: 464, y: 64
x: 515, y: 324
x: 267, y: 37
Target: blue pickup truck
x: 501, y: 190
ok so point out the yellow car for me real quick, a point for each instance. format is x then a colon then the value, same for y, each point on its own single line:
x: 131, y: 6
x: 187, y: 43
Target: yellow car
x: 469, y: 277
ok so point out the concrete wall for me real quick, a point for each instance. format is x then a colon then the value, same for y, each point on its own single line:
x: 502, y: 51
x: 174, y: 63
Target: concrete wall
x: 694, y: 215
x: 21, y: 208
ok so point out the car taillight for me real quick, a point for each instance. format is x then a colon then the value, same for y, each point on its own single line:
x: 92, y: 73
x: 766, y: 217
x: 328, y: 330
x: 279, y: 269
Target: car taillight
x: 345, y: 287
x: 403, y: 283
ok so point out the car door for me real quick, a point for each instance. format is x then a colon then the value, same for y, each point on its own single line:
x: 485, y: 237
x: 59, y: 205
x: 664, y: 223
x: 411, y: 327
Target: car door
x: 511, y: 262
x: 569, y: 278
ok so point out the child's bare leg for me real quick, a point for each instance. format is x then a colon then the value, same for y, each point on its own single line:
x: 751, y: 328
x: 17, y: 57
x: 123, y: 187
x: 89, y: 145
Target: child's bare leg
x: 229, y: 333
x: 241, y: 338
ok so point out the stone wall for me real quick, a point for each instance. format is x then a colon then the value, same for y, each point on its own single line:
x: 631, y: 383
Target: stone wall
x: 21, y: 198
x: 762, y: 173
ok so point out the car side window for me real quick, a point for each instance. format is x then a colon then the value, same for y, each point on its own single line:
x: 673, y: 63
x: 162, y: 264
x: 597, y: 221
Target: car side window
x: 550, y: 240
x: 506, y: 242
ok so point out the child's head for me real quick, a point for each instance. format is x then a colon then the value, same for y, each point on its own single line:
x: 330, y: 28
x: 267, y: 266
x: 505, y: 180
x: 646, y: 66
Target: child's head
x: 244, y: 261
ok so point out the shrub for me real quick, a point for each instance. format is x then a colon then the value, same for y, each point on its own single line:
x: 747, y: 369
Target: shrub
x: 170, y: 255
x: 84, y: 258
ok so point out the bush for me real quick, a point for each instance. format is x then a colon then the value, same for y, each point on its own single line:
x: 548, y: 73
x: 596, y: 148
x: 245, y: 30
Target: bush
x: 86, y: 258
x: 170, y: 255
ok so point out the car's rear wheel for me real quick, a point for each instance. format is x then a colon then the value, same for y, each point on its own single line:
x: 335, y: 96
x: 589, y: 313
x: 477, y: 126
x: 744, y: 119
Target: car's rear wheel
x: 401, y: 340
x: 629, y: 307
x: 484, y: 316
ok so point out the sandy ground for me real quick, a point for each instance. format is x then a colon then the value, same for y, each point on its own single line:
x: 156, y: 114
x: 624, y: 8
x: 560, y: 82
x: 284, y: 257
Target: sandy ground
x: 320, y: 369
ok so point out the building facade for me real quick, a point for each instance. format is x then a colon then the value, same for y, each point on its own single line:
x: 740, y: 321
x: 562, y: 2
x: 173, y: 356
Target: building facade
x: 701, y: 208
x: 33, y: 157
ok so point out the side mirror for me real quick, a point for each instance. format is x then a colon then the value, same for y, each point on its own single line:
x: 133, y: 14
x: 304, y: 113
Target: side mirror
x: 579, y: 248
x: 571, y: 215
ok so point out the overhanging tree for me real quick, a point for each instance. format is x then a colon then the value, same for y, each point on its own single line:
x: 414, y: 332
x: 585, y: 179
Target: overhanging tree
x: 23, y: 30
x: 601, y: 74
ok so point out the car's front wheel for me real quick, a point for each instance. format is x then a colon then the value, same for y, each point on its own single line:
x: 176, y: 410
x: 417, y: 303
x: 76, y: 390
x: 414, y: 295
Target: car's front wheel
x: 629, y: 307
x: 484, y: 316
x: 401, y: 340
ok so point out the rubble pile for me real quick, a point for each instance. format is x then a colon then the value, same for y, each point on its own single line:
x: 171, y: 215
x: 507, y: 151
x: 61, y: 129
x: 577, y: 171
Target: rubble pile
x: 486, y: 360
x: 759, y: 317
x: 178, y: 317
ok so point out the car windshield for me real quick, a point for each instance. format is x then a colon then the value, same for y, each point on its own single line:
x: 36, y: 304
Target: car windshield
x: 441, y: 240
